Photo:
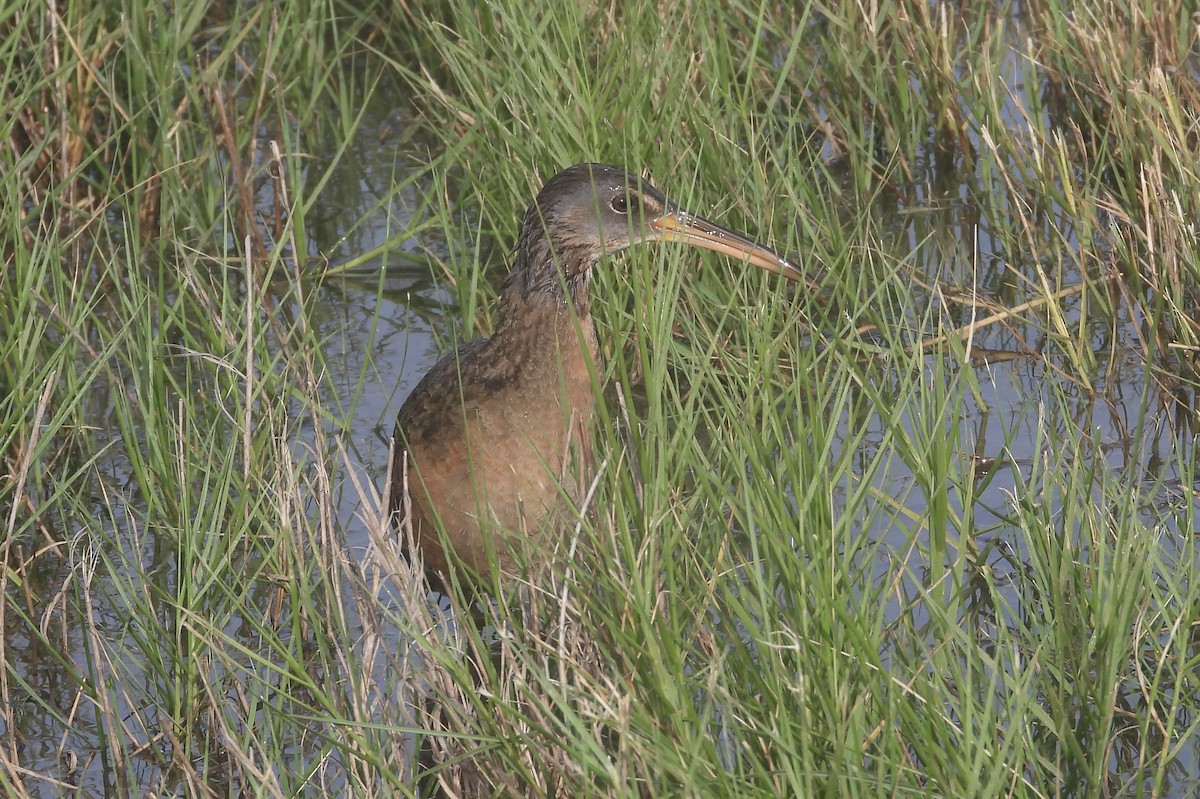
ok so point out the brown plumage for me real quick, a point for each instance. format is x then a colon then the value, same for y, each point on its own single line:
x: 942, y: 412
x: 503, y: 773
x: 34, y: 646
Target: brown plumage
x: 489, y: 440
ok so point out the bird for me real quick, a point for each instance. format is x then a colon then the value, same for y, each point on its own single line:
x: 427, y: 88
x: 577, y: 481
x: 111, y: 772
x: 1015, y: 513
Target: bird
x: 490, y: 449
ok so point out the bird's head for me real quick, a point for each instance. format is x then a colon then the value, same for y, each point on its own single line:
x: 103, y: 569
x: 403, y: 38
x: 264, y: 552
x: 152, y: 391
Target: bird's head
x: 588, y: 211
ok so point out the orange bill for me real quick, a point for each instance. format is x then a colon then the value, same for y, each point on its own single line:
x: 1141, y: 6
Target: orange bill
x: 679, y: 225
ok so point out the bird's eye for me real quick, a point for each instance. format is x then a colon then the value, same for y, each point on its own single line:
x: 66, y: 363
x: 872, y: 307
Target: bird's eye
x: 623, y: 203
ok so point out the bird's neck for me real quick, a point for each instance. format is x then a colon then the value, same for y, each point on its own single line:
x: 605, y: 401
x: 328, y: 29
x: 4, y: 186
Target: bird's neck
x: 545, y: 313
x: 547, y: 270
x: 563, y: 315
x: 518, y: 295
x: 537, y: 286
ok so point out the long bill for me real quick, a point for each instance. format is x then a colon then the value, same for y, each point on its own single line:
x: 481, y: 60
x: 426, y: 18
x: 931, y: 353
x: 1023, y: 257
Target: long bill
x: 679, y: 225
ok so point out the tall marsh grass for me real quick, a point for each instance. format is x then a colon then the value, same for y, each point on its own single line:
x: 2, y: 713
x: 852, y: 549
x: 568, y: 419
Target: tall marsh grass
x: 930, y: 531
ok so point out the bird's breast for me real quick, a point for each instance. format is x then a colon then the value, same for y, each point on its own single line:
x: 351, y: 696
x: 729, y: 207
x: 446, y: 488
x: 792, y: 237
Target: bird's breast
x: 495, y: 433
